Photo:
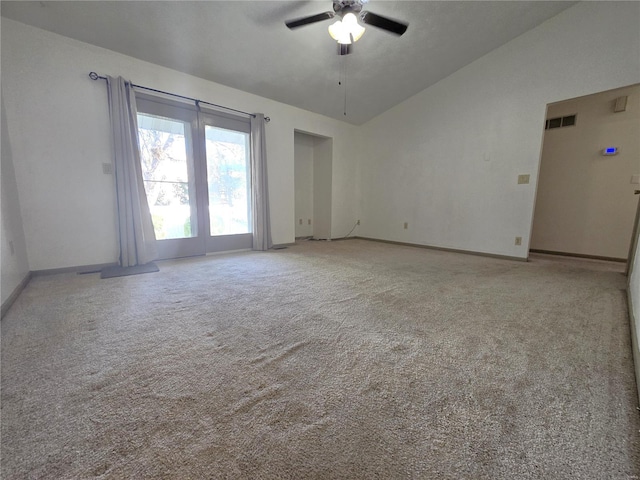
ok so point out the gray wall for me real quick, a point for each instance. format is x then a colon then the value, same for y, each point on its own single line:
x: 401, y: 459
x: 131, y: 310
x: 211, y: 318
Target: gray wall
x: 585, y: 202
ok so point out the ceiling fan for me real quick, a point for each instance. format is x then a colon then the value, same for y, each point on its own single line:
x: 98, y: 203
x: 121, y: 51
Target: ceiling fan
x: 347, y: 30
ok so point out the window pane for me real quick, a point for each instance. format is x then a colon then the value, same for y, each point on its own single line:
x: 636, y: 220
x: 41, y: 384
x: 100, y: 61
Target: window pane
x: 228, y: 180
x: 162, y: 148
x: 165, y: 169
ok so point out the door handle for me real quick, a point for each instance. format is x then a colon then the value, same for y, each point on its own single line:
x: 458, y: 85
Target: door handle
x: 636, y: 192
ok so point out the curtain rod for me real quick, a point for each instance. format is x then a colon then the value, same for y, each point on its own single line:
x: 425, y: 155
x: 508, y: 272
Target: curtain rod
x: 95, y: 76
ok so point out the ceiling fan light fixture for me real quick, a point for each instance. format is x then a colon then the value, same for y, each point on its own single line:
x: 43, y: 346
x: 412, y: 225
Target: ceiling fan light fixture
x: 355, y: 29
x: 339, y: 33
x: 344, y: 30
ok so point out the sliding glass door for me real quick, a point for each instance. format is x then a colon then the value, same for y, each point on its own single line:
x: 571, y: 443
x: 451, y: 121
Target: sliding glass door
x: 196, y: 174
x: 228, y: 182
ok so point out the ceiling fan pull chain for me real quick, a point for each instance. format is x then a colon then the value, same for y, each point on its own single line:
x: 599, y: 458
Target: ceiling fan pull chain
x: 345, y: 86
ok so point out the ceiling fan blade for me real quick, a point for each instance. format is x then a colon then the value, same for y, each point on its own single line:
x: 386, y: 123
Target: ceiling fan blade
x: 393, y: 26
x: 300, y: 22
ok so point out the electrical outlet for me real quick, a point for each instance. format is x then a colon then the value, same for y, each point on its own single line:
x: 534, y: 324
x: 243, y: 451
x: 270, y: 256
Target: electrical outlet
x: 406, y: 225
x: 518, y: 240
x: 107, y: 168
x: 300, y: 221
x: 635, y: 179
x: 523, y: 179
x: 309, y: 222
x: 358, y: 222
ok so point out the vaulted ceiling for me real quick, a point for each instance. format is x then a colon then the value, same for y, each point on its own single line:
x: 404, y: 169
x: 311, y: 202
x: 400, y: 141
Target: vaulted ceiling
x: 245, y: 44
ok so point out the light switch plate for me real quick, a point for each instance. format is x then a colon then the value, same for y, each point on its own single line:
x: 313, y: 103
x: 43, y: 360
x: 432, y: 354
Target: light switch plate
x: 635, y: 179
x: 523, y: 179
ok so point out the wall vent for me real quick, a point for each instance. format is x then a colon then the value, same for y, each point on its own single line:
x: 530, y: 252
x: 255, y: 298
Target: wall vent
x: 558, y: 122
x: 620, y: 105
x: 554, y: 123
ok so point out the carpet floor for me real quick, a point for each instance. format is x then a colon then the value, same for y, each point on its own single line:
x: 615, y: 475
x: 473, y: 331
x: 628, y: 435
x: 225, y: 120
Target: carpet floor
x: 326, y: 360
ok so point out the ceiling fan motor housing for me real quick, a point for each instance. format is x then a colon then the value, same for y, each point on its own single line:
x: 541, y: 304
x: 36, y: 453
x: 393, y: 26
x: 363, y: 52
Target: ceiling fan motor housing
x: 342, y: 7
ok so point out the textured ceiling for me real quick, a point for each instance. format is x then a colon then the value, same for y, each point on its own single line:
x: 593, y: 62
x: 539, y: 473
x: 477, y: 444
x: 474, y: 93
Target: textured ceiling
x: 245, y: 44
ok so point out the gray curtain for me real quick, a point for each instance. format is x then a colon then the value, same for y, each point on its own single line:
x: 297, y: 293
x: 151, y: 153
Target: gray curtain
x: 135, y: 228
x: 259, y: 188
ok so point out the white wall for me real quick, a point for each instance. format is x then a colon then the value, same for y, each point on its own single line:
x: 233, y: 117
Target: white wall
x: 585, y: 203
x: 304, y: 145
x: 447, y: 160
x: 15, y: 265
x: 58, y: 122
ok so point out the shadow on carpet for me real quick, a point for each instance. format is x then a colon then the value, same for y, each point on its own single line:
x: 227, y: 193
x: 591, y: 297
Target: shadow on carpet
x: 118, y: 271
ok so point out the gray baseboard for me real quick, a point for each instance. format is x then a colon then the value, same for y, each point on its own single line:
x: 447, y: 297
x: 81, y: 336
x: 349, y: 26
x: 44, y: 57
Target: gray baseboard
x: 444, y: 249
x: 344, y: 238
x: 280, y: 246
x: 6, y: 305
x: 81, y: 269
x: 579, y: 255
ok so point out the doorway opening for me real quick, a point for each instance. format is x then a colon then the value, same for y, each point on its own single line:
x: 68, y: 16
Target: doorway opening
x: 313, y: 158
x: 589, y: 171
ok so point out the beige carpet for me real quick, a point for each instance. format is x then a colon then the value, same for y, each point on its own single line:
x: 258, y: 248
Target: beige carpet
x: 345, y: 360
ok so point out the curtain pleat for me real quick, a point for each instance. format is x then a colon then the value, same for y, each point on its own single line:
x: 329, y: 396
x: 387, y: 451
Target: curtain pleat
x: 136, y: 236
x: 259, y: 186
